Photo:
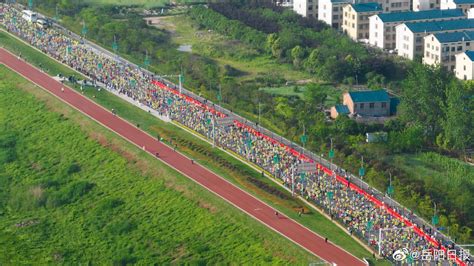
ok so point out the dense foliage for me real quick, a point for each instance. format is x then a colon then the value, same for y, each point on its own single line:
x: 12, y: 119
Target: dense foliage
x: 307, y: 44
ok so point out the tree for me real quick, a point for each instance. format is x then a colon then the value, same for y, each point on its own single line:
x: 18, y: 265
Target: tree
x: 297, y: 54
x: 458, y: 126
x: 274, y: 46
x: 422, y: 97
x: 315, y: 97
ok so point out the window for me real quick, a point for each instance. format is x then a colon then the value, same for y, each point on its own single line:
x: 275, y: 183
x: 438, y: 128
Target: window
x: 459, y: 47
x: 361, y: 106
x: 384, y: 105
x: 464, y: 67
x: 371, y: 105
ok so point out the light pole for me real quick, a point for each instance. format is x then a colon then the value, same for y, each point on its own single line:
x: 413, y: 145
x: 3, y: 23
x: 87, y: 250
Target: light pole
x: 259, y: 112
x: 180, y: 76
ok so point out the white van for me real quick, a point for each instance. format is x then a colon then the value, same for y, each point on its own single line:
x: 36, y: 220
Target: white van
x: 42, y: 23
x: 29, y: 16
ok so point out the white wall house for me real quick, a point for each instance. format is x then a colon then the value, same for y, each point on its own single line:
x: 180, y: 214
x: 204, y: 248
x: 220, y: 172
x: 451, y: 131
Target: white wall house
x: 306, y: 8
x: 465, y: 5
x: 465, y: 65
x: 382, y: 32
x: 420, y: 5
x: 330, y: 11
x: 441, y: 48
x: 410, y: 42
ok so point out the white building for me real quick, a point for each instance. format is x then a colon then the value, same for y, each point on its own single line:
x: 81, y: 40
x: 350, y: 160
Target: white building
x: 285, y: 3
x: 465, y: 5
x: 410, y: 42
x: 442, y: 48
x: 356, y: 19
x: 330, y: 11
x: 465, y: 65
x: 419, y: 5
x: 382, y: 26
x: 306, y: 8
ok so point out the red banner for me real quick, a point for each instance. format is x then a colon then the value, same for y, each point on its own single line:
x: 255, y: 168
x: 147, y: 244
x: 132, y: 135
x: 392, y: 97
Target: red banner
x: 188, y: 99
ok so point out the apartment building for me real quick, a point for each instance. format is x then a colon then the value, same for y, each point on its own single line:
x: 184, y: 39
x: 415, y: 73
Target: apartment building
x: 382, y: 26
x: 465, y: 5
x: 442, y: 48
x: 410, y: 36
x: 306, y: 8
x: 465, y: 65
x: 355, y: 21
x: 420, y: 5
x: 330, y: 11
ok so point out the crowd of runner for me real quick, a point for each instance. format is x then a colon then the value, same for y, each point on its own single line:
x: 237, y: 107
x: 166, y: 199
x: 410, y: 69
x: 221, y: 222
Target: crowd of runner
x: 358, y: 214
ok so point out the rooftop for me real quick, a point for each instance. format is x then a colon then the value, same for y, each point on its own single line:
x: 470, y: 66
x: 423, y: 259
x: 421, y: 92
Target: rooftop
x: 470, y: 54
x: 342, y: 109
x: 420, y: 15
x: 367, y: 7
x: 446, y: 37
x: 464, y: 2
x: 340, y: 1
x: 369, y: 96
x: 434, y: 26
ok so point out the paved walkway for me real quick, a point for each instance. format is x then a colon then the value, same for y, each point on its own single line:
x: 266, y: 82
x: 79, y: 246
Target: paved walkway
x: 259, y: 210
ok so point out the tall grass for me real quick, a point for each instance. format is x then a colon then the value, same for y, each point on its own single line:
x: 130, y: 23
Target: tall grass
x: 70, y: 199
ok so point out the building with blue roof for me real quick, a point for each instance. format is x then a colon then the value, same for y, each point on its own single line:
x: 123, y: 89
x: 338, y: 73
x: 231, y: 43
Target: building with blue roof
x: 382, y: 29
x: 339, y: 109
x: 367, y: 7
x: 441, y: 48
x: 465, y: 5
x: 465, y: 65
x: 366, y: 103
x: 355, y: 21
x: 410, y: 35
x: 331, y: 11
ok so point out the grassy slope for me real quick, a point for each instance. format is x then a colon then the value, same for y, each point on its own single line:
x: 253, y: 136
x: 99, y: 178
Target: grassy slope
x: 333, y: 94
x: 313, y: 220
x: 137, y: 209
x: 224, y: 51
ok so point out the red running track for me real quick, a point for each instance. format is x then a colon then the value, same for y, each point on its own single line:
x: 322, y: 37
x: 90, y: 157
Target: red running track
x: 259, y: 210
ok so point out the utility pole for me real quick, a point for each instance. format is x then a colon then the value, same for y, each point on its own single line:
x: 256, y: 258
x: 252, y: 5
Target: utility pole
x: 259, y: 112
x: 57, y: 12
x: 331, y: 155
x: 220, y: 94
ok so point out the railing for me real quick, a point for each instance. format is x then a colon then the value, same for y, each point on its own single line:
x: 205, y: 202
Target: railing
x: 316, y: 158
x: 404, y: 212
